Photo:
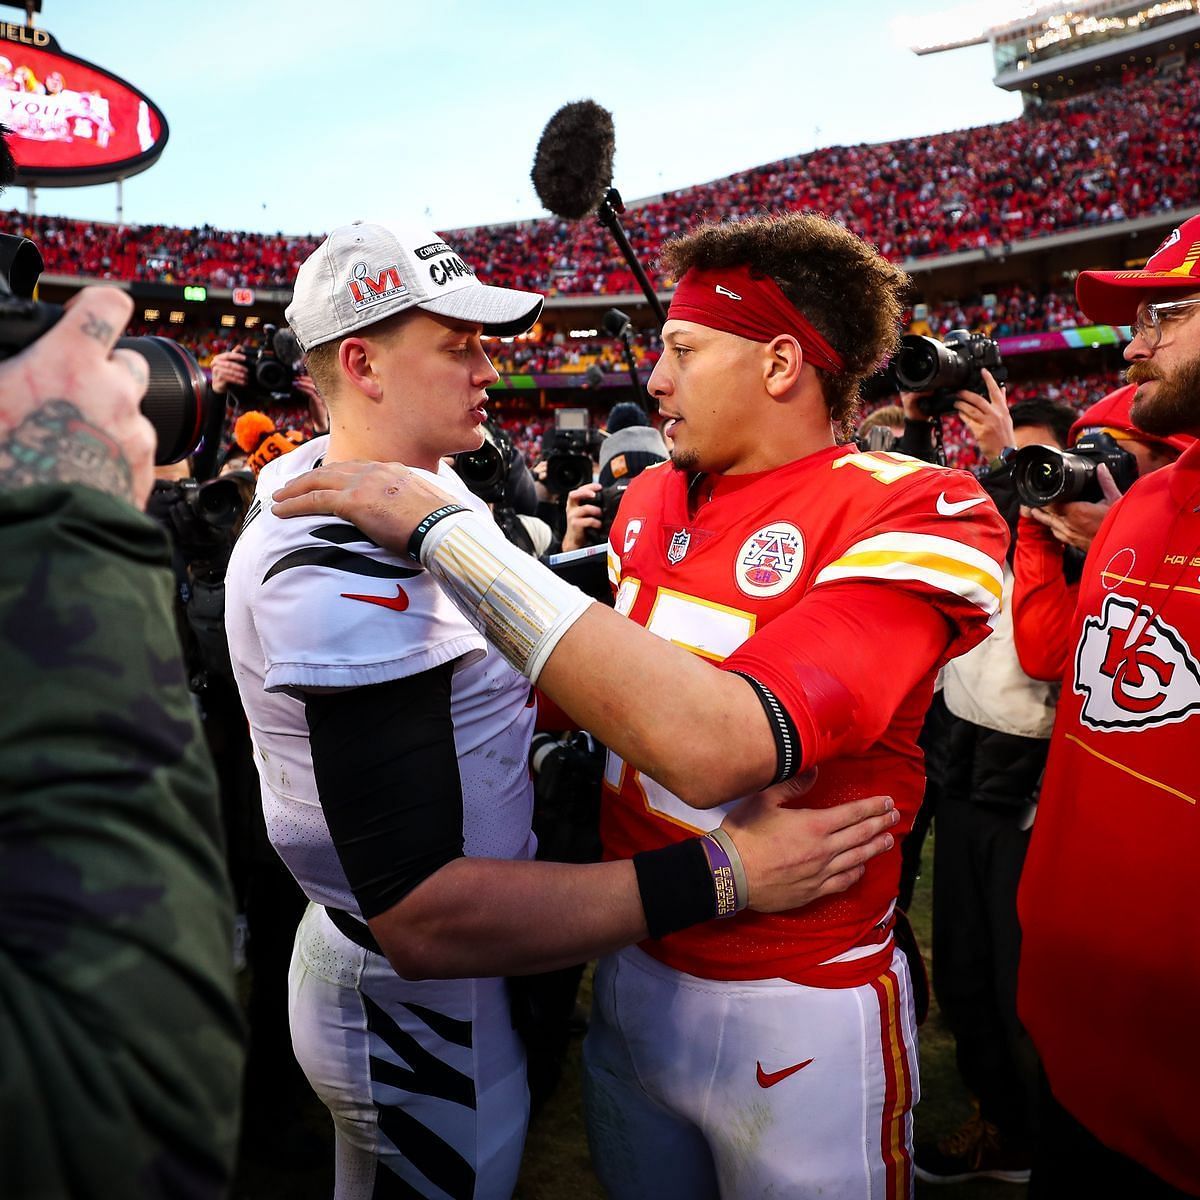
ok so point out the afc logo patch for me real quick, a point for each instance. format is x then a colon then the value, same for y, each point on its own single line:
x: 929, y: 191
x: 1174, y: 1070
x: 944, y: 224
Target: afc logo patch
x: 366, y: 289
x: 1134, y: 670
x: 770, y: 559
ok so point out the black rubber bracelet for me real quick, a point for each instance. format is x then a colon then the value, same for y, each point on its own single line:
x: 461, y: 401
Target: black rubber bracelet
x: 676, y: 886
x: 418, y: 534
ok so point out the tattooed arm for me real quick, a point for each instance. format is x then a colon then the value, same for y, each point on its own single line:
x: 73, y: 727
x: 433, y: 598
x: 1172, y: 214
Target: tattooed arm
x: 69, y: 405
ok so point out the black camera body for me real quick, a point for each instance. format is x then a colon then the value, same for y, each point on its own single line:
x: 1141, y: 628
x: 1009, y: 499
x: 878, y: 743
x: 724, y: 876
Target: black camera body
x: 569, y: 458
x: 567, y: 775
x: 485, y: 471
x: 923, y: 364
x: 609, y: 500
x: 203, y: 517
x: 270, y: 366
x: 1046, y: 475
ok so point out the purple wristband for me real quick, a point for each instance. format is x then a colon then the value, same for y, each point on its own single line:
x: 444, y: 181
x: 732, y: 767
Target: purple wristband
x: 724, y: 883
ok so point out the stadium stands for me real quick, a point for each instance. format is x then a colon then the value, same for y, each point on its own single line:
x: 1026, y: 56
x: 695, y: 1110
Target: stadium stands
x: 1102, y: 157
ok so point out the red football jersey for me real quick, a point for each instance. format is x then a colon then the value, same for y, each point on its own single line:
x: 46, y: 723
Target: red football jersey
x: 1110, y: 959
x: 840, y: 583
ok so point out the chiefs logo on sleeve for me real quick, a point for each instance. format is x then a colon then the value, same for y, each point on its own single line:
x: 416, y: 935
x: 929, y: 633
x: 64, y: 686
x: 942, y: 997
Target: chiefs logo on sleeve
x: 1134, y: 669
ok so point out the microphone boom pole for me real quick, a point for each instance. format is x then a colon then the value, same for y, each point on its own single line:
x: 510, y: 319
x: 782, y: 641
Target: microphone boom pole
x: 608, y: 214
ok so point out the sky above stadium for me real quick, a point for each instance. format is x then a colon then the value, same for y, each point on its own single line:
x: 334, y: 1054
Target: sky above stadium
x: 299, y: 116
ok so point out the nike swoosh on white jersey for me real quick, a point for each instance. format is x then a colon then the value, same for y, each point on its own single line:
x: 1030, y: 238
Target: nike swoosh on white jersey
x: 948, y: 509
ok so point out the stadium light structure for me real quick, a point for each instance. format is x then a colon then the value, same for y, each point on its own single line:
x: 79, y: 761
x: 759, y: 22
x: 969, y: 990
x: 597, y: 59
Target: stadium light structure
x: 969, y: 24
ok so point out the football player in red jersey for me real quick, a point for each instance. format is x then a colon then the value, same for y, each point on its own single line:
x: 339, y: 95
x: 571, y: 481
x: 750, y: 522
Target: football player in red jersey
x: 803, y: 595
x: 1110, y: 964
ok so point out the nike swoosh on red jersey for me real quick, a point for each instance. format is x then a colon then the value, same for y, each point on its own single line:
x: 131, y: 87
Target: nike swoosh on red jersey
x: 768, y: 1079
x: 949, y: 509
x: 397, y: 603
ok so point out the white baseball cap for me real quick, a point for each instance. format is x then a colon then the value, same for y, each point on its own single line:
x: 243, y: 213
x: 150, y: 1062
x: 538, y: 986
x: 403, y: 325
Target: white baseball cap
x: 364, y: 272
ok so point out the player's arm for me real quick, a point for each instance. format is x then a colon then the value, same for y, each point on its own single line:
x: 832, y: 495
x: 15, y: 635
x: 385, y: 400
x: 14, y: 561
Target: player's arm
x: 705, y: 735
x: 387, y: 774
x: 1043, y: 602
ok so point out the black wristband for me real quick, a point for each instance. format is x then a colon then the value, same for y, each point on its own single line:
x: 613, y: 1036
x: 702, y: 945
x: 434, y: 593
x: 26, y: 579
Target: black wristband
x: 418, y: 534
x: 676, y: 886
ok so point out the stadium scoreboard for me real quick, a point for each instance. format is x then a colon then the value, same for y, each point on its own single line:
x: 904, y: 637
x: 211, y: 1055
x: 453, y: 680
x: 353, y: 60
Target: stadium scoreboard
x: 72, y: 122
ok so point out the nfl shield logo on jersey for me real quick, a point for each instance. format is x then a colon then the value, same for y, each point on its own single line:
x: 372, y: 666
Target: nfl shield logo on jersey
x: 1134, y: 669
x: 681, y: 539
x: 770, y: 559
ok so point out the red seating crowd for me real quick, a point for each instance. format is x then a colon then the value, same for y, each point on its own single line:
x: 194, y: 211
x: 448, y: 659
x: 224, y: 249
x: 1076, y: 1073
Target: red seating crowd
x: 1108, y: 155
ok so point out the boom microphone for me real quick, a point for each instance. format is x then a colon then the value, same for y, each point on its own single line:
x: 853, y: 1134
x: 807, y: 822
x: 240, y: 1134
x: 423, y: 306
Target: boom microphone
x: 573, y: 165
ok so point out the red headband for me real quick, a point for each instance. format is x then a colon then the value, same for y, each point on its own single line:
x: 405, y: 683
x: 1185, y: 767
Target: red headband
x: 734, y: 301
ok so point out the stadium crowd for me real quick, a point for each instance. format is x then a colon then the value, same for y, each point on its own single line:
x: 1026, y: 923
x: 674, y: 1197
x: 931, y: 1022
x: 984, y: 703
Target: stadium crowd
x: 989, y: 186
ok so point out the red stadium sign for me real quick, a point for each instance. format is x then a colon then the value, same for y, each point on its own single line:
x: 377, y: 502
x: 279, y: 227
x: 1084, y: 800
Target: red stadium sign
x: 72, y: 122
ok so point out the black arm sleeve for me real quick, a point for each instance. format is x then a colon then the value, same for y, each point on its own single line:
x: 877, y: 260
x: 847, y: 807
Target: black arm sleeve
x: 387, y: 775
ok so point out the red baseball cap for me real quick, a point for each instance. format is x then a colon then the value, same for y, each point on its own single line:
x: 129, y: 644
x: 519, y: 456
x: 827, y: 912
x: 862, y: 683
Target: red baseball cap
x: 1112, y: 297
x: 1112, y: 414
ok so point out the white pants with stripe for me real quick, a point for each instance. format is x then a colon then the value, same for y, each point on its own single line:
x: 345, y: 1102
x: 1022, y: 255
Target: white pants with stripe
x: 699, y: 1088
x: 425, y: 1080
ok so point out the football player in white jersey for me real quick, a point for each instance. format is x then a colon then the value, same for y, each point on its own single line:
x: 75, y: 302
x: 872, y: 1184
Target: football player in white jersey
x: 391, y: 744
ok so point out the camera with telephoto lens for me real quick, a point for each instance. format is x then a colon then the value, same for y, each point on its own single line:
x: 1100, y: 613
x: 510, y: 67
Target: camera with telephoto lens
x: 923, y: 364
x: 271, y: 366
x: 569, y: 451
x: 177, y: 401
x: 485, y: 471
x: 1046, y: 475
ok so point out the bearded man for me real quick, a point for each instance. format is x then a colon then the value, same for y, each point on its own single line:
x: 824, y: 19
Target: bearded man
x: 1110, y: 963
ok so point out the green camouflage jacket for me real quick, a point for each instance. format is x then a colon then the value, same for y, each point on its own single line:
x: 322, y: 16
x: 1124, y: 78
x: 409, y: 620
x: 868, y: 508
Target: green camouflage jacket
x: 120, y: 1035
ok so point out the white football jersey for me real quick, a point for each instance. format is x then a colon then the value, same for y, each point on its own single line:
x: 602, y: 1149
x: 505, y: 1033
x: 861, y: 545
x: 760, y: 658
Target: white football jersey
x: 310, y: 603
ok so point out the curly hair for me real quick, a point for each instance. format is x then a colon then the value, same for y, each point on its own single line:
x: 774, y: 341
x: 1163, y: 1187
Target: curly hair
x: 849, y: 292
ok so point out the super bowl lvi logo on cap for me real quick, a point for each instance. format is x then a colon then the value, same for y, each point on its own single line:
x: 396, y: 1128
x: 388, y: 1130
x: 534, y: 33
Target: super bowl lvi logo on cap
x: 770, y: 559
x: 367, y: 289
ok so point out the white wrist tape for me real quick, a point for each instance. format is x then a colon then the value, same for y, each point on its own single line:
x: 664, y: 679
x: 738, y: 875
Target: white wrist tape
x: 520, y: 606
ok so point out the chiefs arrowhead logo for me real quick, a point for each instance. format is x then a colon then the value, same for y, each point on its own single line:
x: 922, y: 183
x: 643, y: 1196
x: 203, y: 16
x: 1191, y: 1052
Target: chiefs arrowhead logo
x: 1134, y: 670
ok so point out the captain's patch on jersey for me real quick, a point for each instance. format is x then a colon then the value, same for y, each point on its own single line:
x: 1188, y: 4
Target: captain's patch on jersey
x: 770, y: 559
x: 1134, y: 669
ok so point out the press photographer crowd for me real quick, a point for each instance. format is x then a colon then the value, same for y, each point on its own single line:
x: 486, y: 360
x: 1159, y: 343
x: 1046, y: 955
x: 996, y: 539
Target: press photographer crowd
x: 363, y: 698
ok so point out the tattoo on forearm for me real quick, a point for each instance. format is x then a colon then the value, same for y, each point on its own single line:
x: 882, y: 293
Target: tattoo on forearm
x: 94, y: 327
x: 57, y: 444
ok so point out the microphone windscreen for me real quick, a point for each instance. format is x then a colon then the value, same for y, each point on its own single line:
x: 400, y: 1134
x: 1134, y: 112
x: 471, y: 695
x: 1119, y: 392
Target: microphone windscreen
x: 573, y: 165
x: 287, y: 347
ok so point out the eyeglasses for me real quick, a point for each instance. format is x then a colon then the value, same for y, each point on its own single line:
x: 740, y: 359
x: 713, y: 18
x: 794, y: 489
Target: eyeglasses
x: 1150, y: 318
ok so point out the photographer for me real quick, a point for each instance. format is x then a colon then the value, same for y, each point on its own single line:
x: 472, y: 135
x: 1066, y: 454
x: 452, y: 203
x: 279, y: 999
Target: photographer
x: 1053, y: 538
x: 631, y: 446
x: 121, y: 1039
x: 994, y: 747
x: 271, y: 372
x: 1108, y: 899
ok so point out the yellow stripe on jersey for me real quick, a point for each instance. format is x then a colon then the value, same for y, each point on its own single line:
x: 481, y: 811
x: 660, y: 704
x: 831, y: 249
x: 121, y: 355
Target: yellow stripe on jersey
x: 939, y: 562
